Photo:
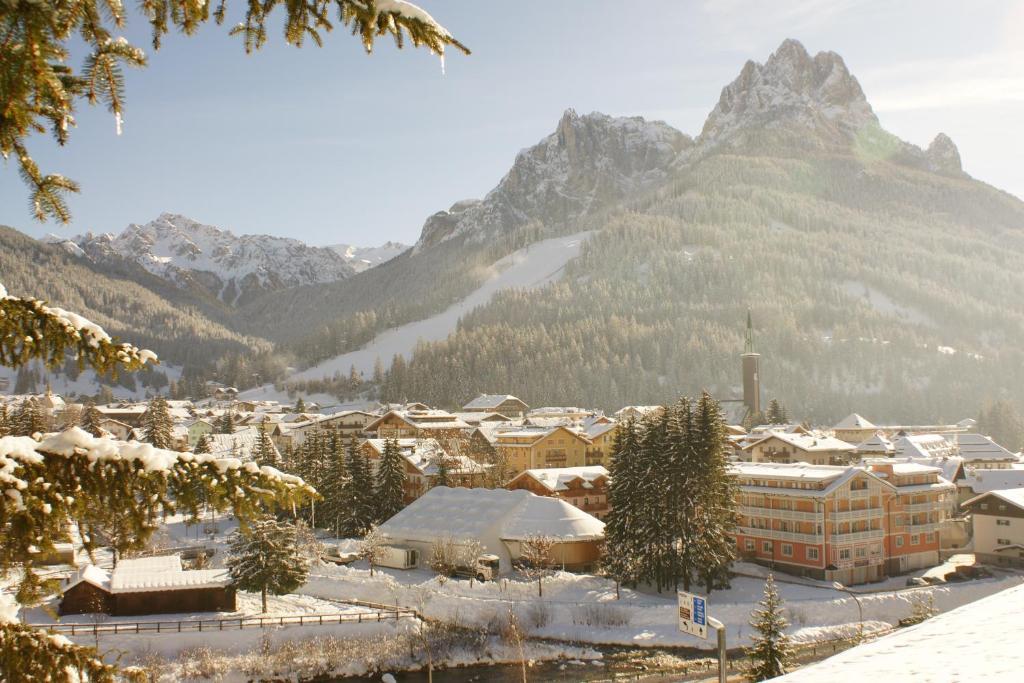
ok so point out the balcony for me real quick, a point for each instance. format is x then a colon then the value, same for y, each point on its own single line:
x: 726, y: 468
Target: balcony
x: 922, y: 507
x: 850, y: 515
x: 775, y: 513
x: 860, y: 493
x: 773, y: 535
x: 923, y: 528
x: 851, y: 536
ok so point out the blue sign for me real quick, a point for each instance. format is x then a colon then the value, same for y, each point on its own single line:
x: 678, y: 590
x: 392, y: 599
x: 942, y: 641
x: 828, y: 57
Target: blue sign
x: 699, y: 609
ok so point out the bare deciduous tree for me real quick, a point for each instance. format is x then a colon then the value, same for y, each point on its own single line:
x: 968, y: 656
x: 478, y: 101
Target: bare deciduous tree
x: 535, y: 557
x: 372, y: 547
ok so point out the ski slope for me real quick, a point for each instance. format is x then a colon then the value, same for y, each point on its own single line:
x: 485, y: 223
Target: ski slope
x: 528, y: 268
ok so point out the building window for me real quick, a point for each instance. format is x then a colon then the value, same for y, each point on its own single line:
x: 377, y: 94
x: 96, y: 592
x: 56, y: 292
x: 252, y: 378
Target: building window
x: 812, y: 553
x: 983, y: 506
x: 749, y: 545
x: 766, y: 547
x: 929, y: 538
x: 862, y: 551
x: 1002, y: 522
x: 915, y: 539
x: 844, y: 553
x: 1003, y: 541
x: 787, y: 550
x: 899, y: 541
x: 1002, y: 507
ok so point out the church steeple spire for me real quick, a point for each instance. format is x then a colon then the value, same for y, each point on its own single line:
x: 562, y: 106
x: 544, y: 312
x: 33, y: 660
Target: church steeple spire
x: 748, y: 346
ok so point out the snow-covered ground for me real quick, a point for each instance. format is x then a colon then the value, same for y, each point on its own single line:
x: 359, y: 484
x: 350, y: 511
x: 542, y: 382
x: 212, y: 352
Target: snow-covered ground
x: 583, y: 608
x: 976, y: 642
x: 530, y: 267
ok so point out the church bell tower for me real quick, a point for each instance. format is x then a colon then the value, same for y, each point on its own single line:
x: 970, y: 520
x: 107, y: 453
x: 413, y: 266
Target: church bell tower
x: 751, y: 372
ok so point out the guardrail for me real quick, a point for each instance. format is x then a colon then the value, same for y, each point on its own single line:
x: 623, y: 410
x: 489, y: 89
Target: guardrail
x: 234, y: 624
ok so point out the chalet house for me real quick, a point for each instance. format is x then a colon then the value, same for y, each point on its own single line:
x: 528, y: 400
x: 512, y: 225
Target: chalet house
x: 585, y: 488
x: 497, y: 403
x: 128, y: 414
x: 924, y: 446
x: 782, y: 447
x: 404, y: 424
x: 475, y: 419
x: 292, y: 430
x: 422, y: 458
x: 601, y: 433
x: 637, y: 412
x: 121, y: 431
x: 570, y: 413
x: 998, y: 520
x: 499, y: 521
x: 876, y: 446
x: 196, y: 429
x: 532, y: 448
x: 150, y: 585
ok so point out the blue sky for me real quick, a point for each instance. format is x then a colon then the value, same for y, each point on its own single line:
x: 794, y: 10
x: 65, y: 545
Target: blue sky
x: 329, y: 145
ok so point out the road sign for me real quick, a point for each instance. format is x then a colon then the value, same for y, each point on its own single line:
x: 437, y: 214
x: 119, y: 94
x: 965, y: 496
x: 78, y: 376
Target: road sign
x: 693, y: 614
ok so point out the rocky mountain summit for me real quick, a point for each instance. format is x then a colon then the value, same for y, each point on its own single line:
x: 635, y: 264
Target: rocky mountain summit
x: 590, y: 162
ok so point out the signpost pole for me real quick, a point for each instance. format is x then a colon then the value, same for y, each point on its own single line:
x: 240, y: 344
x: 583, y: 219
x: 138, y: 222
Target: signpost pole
x: 723, y: 661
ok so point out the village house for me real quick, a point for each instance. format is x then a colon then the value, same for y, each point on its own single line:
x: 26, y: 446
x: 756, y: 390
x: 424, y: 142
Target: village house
x: 130, y: 414
x: 196, y: 429
x: 504, y: 404
x: 527, y: 448
x: 791, y: 447
x: 291, y: 431
x: 854, y: 428
x: 982, y: 452
x: 841, y: 523
x: 637, y: 412
x: 422, y: 459
x: 404, y: 424
x: 121, y: 431
x: 500, y: 521
x: 150, y: 585
x: 601, y: 433
x: 998, y: 520
x: 585, y: 488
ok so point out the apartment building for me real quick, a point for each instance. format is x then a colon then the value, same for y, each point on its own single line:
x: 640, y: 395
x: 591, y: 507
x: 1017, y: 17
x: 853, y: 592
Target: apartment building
x: 422, y: 458
x: 403, y: 424
x: 533, y: 448
x: 840, y: 523
x: 791, y: 447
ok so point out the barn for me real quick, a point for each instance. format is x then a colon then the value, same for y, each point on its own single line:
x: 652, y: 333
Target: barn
x: 149, y: 585
x: 500, y: 520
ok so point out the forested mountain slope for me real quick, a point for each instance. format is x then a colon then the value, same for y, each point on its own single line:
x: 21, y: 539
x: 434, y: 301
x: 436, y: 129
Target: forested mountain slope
x: 880, y: 276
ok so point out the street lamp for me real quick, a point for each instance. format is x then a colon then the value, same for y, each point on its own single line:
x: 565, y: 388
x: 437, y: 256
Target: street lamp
x: 860, y: 608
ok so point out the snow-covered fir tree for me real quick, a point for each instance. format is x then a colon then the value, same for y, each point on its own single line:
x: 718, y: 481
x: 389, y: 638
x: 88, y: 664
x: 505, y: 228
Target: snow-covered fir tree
x: 157, y: 425
x: 203, y: 444
x: 90, y: 419
x: 265, y: 558
x: 777, y: 414
x: 622, y: 545
x: 770, y: 651
x: 335, y: 508
x: 28, y: 418
x: 5, y: 420
x: 225, y: 424
x: 443, y: 476
x: 390, y: 485
x: 359, y: 492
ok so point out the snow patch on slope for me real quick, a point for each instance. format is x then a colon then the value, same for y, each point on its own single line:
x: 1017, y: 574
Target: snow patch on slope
x: 528, y: 268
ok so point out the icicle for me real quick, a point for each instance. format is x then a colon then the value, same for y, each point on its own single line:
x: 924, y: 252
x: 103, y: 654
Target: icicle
x: 442, y: 64
x: 117, y: 121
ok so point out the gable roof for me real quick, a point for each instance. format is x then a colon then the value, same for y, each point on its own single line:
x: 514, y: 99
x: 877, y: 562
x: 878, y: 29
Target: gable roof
x: 1014, y: 497
x: 490, y: 402
x: 979, y: 447
x: 558, y: 478
x: 810, y: 443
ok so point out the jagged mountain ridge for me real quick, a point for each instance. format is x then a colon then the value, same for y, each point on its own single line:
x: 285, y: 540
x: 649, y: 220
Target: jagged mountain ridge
x: 364, y: 258
x: 234, y: 269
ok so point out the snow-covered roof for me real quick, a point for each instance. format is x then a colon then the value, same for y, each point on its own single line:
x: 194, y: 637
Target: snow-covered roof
x: 983, y: 481
x: 807, y: 442
x: 462, y: 513
x: 924, y: 445
x: 143, y: 574
x: 833, y: 476
x: 1014, y: 497
x: 977, y: 642
x: 489, y: 401
x: 979, y: 447
x: 557, y: 478
x: 854, y: 421
x: 877, y: 443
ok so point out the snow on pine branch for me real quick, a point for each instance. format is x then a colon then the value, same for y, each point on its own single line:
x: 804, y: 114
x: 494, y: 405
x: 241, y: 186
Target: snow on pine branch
x: 395, y: 16
x: 32, y: 330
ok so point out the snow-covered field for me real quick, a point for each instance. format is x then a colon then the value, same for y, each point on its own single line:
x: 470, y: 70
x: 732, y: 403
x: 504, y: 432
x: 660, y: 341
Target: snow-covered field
x: 583, y: 608
x: 530, y: 267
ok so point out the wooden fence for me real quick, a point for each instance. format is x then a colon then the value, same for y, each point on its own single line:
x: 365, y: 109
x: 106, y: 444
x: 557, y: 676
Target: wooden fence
x: 233, y: 624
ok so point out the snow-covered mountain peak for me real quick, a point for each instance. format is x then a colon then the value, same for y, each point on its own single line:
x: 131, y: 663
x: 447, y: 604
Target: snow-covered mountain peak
x: 791, y: 90
x: 232, y: 268
x: 363, y: 258
x: 586, y: 164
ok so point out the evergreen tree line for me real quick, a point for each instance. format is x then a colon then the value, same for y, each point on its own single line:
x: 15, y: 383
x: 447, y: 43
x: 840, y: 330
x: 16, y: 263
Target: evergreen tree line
x: 356, y: 494
x: 672, y: 500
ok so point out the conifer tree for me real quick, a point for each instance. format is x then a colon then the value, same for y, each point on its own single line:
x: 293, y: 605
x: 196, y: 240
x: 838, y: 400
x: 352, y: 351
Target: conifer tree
x: 770, y: 651
x: 300, y: 406
x: 359, y: 493
x: 28, y: 418
x: 443, y: 476
x: 264, y: 452
x: 776, y: 413
x: 715, y: 493
x: 90, y: 419
x: 265, y: 558
x: 203, y: 444
x: 157, y: 425
x: 390, y: 489
x: 225, y: 424
x: 622, y: 544
x: 5, y: 420
x: 334, y: 488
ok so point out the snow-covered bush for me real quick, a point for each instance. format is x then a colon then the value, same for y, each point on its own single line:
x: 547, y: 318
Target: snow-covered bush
x: 537, y: 615
x: 599, y: 614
